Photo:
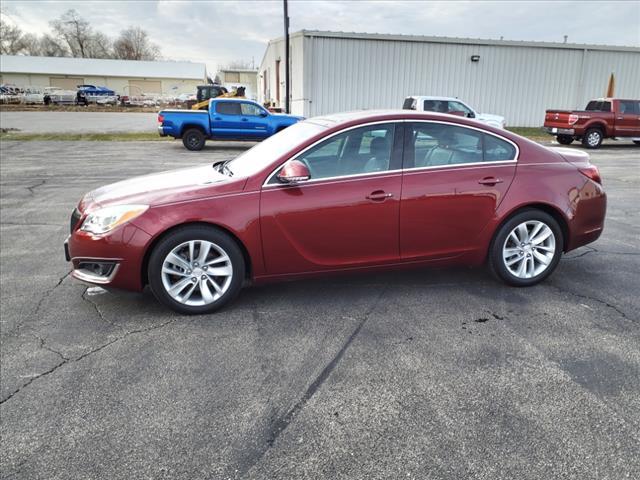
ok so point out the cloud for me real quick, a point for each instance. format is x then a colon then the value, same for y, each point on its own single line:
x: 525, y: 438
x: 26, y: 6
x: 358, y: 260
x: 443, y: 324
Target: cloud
x: 218, y: 32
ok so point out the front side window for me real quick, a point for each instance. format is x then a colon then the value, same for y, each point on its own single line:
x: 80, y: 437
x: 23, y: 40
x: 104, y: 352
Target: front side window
x: 629, y: 107
x: 455, y: 107
x: 251, y: 110
x: 358, y: 151
x: 438, y: 144
x: 228, y: 108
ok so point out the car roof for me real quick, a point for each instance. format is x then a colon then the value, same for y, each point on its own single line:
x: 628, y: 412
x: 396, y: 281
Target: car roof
x: 233, y: 99
x: 363, y: 116
x: 428, y: 97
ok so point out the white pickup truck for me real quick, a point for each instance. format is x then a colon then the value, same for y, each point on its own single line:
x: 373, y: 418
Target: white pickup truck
x: 452, y: 106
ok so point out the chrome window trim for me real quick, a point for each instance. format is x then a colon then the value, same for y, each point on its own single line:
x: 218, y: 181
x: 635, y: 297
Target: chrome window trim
x: 406, y: 170
x: 379, y: 122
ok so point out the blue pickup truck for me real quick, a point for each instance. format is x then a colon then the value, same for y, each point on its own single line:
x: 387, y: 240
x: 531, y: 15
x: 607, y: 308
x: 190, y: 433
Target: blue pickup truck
x: 226, y: 119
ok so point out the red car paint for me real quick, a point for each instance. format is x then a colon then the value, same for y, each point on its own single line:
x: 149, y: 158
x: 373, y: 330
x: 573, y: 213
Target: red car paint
x: 404, y: 217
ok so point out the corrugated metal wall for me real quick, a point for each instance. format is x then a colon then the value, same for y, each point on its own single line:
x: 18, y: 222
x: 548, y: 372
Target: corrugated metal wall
x: 519, y: 82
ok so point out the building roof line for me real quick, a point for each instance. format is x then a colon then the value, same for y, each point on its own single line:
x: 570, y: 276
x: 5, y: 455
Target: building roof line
x: 458, y: 40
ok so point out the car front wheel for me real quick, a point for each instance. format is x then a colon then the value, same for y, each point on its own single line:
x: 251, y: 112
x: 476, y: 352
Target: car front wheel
x: 196, y: 270
x: 526, y: 249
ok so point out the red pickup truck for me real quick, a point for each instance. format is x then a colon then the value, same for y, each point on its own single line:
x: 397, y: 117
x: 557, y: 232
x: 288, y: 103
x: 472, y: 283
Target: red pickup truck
x: 603, y: 118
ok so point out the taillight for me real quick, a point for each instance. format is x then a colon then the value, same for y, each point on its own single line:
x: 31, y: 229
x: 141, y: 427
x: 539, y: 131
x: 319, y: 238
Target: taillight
x: 573, y: 119
x: 160, y: 119
x: 591, y: 172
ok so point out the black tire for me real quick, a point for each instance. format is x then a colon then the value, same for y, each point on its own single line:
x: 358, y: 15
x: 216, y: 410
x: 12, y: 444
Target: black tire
x: 186, y: 234
x: 565, y: 139
x: 193, y: 139
x: 592, y: 138
x: 495, y: 259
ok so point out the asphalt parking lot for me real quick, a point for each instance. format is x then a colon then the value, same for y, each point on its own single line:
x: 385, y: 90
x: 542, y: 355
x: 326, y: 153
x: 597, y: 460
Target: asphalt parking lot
x: 428, y: 374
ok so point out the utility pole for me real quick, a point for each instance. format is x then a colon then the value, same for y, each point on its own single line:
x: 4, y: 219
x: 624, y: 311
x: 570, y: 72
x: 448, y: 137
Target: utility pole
x: 287, y: 93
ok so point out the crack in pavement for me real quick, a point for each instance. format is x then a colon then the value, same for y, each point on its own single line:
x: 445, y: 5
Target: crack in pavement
x: 33, y: 187
x: 281, y: 424
x: 98, y: 311
x: 593, y: 299
x: 83, y: 356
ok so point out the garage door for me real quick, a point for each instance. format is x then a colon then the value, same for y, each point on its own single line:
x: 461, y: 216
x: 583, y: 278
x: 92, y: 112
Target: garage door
x: 66, y: 83
x: 137, y: 87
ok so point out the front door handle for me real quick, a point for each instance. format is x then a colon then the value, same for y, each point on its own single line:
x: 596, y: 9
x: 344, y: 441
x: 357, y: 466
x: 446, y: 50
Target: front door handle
x: 217, y: 118
x: 379, y: 196
x: 245, y: 119
x: 489, y: 181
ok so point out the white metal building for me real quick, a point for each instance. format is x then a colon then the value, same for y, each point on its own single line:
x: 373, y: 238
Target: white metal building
x: 332, y: 71
x: 125, y: 77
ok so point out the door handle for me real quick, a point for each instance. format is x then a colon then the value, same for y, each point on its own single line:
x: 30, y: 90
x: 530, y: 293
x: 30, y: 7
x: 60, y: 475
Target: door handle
x: 245, y: 119
x: 217, y: 118
x: 379, y: 196
x: 489, y: 181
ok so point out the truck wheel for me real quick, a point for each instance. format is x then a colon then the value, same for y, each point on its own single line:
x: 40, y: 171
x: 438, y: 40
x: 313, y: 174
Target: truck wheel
x: 565, y: 139
x: 193, y: 139
x: 592, y: 138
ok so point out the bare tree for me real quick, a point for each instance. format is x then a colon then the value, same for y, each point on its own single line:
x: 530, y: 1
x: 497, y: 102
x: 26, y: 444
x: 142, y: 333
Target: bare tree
x: 133, y: 44
x: 11, y: 39
x: 240, y: 65
x: 76, y: 32
x: 50, y: 47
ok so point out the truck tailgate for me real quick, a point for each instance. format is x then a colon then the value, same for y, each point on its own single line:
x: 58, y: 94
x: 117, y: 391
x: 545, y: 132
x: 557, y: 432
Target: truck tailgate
x: 559, y: 118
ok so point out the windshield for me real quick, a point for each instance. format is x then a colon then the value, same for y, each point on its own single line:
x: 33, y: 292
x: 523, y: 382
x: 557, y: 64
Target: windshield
x: 260, y: 156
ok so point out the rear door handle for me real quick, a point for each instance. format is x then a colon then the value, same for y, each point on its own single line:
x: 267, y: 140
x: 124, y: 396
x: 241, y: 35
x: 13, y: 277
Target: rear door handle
x: 245, y: 119
x: 217, y: 118
x: 489, y: 181
x: 379, y: 196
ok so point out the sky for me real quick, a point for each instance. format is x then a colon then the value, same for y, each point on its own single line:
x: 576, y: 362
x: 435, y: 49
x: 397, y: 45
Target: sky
x: 219, y: 32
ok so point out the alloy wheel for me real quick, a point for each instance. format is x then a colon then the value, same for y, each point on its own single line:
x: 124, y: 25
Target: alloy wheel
x: 593, y: 139
x: 529, y: 249
x: 197, y: 273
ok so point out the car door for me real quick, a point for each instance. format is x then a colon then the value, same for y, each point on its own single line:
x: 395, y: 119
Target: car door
x: 255, y: 120
x: 346, y: 215
x: 226, y: 119
x: 454, y: 179
x: 627, y: 120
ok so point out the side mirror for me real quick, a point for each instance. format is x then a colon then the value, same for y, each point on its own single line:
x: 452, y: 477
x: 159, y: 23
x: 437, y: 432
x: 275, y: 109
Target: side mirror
x: 471, y: 115
x: 294, y: 171
x: 263, y: 113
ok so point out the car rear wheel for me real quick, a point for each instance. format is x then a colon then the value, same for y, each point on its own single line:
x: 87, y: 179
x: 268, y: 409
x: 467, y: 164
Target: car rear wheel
x: 526, y: 249
x: 565, y: 139
x: 193, y: 139
x: 196, y: 270
x: 592, y: 138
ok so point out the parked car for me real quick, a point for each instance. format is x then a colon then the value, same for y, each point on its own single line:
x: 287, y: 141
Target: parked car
x: 58, y: 96
x: 33, y: 95
x: 226, y: 119
x: 349, y: 192
x: 602, y: 118
x: 452, y: 106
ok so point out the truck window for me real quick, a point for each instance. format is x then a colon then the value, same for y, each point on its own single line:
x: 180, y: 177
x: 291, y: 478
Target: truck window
x: 458, y: 107
x: 598, y: 106
x: 435, y: 106
x: 629, y: 107
x: 409, y: 103
x: 228, y: 108
x: 251, y: 109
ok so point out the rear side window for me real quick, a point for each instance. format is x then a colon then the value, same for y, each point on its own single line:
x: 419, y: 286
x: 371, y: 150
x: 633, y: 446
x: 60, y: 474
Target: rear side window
x: 496, y: 149
x: 409, y: 103
x: 435, y: 106
x: 598, y: 106
x: 228, y: 108
x: 438, y: 144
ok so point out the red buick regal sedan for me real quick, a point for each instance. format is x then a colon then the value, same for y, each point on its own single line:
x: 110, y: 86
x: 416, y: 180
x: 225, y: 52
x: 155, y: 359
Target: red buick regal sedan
x: 347, y: 192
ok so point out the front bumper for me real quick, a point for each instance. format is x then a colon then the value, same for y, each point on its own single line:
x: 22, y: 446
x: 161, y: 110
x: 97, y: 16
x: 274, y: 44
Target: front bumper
x: 560, y: 131
x: 114, y: 259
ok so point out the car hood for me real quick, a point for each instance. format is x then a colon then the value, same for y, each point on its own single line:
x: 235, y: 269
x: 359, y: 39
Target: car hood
x: 489, y: 117
x: 165, y: 187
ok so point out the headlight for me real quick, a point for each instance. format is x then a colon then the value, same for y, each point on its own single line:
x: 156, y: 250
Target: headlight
x: 106, y: 219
